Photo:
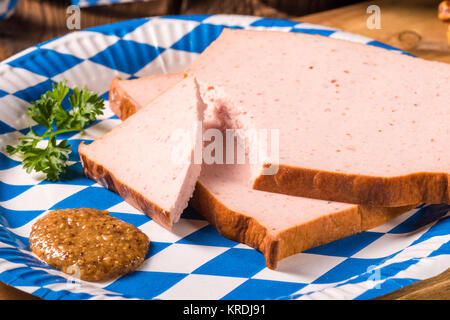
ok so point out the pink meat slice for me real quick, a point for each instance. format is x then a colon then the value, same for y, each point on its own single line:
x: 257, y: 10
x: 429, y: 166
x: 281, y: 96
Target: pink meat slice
x: 356, y: 123
x: 278, y: 225
x: 126, y: 93
x: 146, y: 160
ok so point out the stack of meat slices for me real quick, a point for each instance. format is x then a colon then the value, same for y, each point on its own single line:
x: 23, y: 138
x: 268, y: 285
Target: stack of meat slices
x: 362, y: 138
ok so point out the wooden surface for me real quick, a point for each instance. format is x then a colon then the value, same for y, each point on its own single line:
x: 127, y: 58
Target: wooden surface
x: 11, y: 293
x: 411, y: 25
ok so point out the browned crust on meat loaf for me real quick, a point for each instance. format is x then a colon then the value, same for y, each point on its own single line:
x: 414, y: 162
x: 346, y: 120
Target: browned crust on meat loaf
x: 104, y: 177
x: 120, y: 103
x: 358, y: 189
x: 276, y: 246
x: 234, y: 225
x: 349, y: 188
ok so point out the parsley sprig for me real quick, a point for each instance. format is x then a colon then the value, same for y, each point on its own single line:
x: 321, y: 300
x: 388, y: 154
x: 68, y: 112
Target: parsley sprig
x: 49, y: 113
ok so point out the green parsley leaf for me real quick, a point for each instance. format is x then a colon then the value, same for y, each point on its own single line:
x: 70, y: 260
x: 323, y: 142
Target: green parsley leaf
x: 52, y: 159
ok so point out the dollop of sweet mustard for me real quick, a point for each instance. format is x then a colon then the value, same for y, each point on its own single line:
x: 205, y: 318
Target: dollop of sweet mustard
x: 88, y: 243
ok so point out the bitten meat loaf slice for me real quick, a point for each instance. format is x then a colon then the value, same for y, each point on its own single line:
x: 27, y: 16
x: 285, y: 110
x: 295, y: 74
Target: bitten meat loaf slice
x: 125, y: 94
x: 357, y: 123
x: 147, y: 159
x: 278, y: 225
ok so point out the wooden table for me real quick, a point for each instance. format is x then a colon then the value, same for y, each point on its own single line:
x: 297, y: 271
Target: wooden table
x: 410, y: 25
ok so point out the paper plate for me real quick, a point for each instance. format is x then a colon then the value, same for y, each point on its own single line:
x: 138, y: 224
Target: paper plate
x: 193, y: 261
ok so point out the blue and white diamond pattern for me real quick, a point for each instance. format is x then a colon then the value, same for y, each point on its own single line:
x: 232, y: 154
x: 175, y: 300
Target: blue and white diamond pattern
x: 193, y: 261
x: 7, y: 8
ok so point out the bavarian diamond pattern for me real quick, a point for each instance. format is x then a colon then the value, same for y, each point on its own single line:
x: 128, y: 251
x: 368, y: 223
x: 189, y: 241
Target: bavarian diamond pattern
x: 7, y: 8
x: 193, y: 261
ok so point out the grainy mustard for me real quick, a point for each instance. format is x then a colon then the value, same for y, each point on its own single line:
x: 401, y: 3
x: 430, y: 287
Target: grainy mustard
x: 89, y: 242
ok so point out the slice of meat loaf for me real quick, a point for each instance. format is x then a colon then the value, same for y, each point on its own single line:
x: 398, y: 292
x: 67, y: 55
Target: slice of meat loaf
x: 357, y: 123
x: 277, y: 225
x: 125, y: 94
x: 148, y: 159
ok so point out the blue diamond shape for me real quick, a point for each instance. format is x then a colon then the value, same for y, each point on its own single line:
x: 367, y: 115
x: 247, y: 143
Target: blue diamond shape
x: 444, y: 249
x: 348, y: 246
x: 144, y: 284
x: 135, y: 219
x: 34, y: 92
x: 421, y: 218
x: 20, y: 257
x: 38, y: 129
x: 90, y: 197
x: 156, y: 247
x: 26, y: 276
x: 255, y: 289
x: 7, y: 162
x: 441, y: 228
x: 119, y: 29
x: 273, y: 23
x: 12, y: 4
x: 45, y: 62
x: 207, y: 236
x: 15, y: 219
x: 199, y: 38
x: 234, y: 262
x: 347, y: 269
x: 73, y: 176
x: 105, y: 95
x: 384, y: 272
x: 127, y: 56
x: 4, y: 128
x: 9, y: 191
x: 382, y: 45
x: 3, y: 93
x: 61, y: 294
x: 13, y: 239
x: 325, y: 33
x: 64, y: 136
x: 74, y: 144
